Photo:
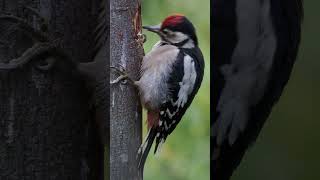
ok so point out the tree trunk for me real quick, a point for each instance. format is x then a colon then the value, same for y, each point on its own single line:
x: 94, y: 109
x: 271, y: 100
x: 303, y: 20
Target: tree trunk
x: 47, y: 122
x: 125, y: 111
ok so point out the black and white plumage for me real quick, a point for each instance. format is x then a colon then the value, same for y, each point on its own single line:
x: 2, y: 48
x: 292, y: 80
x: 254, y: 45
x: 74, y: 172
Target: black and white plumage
x: 255, y: 47
x: 171, y: 75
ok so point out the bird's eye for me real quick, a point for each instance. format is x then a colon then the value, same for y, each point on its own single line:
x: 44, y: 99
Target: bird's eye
x: 168, y: 33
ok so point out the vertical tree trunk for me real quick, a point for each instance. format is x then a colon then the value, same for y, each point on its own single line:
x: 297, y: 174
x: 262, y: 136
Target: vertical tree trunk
x: 125, y: 110
x: 46, y: 128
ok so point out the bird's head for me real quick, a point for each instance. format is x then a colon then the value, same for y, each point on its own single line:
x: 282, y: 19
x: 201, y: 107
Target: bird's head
x: 176, y: 30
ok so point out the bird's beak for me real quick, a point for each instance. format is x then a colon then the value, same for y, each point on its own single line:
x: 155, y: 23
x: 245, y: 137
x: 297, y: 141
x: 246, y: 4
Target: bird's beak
x: 155, y: 29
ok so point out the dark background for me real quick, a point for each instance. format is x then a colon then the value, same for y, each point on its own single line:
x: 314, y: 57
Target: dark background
x: 289, y: 145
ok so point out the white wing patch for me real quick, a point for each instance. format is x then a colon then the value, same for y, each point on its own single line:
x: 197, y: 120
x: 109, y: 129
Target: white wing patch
x: 188, y: 81
x: 247, y: 75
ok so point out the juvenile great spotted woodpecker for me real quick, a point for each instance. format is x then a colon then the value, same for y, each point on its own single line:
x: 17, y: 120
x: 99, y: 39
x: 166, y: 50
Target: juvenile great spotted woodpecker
x: 171, y: 74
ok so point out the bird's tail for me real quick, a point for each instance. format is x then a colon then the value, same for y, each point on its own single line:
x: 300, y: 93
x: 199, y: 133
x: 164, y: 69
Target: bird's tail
x: 145, y: 148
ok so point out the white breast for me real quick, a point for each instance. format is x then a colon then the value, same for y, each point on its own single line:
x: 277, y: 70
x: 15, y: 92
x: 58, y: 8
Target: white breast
x: 155, y: 71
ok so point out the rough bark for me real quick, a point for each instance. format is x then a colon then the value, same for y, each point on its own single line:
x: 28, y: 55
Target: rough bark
x: 48, y: 123
x: 125, y: 110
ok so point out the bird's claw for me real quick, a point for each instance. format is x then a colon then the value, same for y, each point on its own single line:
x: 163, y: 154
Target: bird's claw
x: 123, y: 78
x: 142, y: 38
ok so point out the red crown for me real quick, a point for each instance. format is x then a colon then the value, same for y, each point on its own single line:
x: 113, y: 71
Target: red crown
x: 172, y: 20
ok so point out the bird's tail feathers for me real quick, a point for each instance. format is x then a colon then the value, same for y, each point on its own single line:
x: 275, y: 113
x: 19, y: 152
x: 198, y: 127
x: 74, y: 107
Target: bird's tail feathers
x: 145, y: 148
x: 159, y: 143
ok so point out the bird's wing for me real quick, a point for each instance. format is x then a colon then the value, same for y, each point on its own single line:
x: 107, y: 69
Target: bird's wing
x: 249, y: 80
x: 185, y: 80
x: 247, y: 74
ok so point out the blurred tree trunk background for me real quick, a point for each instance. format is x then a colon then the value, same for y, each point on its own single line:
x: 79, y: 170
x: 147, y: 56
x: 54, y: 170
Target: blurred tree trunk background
x: 48, y: 115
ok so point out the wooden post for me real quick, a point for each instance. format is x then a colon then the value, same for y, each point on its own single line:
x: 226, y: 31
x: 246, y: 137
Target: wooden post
x: 125, y: 108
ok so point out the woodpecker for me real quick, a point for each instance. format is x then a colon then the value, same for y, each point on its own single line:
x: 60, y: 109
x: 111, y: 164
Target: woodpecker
x: 171, y: 74
x: 254, y: 50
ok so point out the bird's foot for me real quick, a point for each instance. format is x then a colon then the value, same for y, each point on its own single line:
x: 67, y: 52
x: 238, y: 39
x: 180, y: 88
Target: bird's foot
x: 142, y: 38
x: 123, y: 78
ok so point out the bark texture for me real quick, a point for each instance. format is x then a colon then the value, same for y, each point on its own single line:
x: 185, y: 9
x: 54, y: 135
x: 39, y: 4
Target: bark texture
x: 125, y: 109
x: 48, y: 121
